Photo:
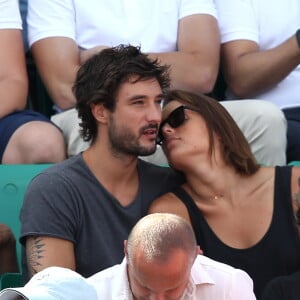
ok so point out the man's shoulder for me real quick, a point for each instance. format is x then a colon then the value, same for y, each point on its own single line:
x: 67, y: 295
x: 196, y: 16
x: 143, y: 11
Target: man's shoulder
x: 111, y: 283
x: 60, y: 172
x: 221, y: 281
x: 106, y: 275
x: 215, y: 267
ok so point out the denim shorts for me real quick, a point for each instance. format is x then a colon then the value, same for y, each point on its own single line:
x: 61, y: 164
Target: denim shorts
x: 10, y: 123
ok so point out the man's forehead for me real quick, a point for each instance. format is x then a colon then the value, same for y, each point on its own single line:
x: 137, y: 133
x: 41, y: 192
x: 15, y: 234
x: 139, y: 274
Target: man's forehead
x: 149, y: 88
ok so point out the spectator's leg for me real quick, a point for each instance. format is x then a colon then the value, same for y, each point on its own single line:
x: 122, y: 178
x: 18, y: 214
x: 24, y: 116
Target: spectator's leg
x: 264, y: 126
x: 68, y: 122
x: 35, y: 142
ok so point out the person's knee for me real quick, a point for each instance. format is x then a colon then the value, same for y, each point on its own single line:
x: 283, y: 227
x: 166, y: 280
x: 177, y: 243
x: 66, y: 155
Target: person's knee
x: 68, y: 122
x: 271, y: 116
x: 264, y: 126
x: 271, y: 126
x: 49, y: 146
x: 36, y: 142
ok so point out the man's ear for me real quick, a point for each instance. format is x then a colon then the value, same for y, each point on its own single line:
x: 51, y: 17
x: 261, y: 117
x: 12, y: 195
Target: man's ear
x: 199, y: 251
x: 125, y: 248
x: 100, y: 113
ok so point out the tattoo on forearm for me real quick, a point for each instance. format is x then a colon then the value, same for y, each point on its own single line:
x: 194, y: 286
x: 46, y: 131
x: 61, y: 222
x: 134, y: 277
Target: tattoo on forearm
x: 36, y: 250
x: 296, y: 198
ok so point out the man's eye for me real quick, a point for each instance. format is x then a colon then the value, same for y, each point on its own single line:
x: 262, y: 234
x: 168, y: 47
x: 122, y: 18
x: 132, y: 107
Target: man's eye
x: 138, y: 102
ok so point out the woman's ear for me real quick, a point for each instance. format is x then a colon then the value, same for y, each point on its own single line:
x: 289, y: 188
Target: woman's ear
x: 100, y: 113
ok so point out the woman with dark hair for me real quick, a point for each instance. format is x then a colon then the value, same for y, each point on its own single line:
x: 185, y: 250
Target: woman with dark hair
x: 243, y: 214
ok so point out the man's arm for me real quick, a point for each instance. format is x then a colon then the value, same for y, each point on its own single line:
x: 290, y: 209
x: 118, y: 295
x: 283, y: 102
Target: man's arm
x: 296, y: 195
x: 13, y: 76
x: 57, y: 59
x: 249, y: 71
x: 43, y: 252
x: 195, y: 65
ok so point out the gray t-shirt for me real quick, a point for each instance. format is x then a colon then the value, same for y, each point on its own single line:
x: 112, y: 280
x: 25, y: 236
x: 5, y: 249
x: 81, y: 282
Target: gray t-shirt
x: 66, y: 201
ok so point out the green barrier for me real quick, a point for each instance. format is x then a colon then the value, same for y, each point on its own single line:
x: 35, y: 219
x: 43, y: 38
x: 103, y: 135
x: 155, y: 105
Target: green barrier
x: 14, y: 180
x: 294, y: 163
x: 10, y: 280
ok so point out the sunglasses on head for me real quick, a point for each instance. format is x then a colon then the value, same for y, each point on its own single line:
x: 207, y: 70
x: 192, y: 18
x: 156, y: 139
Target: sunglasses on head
x: 175, y: 119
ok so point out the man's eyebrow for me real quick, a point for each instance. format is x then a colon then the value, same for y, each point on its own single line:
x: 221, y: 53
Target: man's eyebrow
x: 142, y: 96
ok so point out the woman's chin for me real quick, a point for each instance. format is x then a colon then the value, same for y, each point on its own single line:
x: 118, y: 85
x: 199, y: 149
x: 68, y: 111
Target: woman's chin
x: 175, y: 160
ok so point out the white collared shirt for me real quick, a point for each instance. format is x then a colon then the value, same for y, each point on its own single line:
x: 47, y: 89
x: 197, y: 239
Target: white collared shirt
x: 209, y: 280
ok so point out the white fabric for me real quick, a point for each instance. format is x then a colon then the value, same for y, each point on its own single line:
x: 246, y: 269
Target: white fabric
x: 53, y: 283
x: 209, y: 280
x: 268, y: 23
x: 10, y: 15
x: 151, y: 24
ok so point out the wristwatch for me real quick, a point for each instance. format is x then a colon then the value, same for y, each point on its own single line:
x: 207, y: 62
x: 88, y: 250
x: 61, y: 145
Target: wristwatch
x: 298, y: 37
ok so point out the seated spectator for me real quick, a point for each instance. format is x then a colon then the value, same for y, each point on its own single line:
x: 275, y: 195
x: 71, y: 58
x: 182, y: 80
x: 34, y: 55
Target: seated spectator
x: 283, y: 288
x: 238, y: 209
x: 52, y: 283
x: 261, y: 57
x: 183, y: 34
x: 26, y: 136
x: 8, y: 255
x: 161, y: 262
x: 84, y: 207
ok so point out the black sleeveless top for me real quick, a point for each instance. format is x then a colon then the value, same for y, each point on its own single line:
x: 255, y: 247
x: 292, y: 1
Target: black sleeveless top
x: 277, y: 253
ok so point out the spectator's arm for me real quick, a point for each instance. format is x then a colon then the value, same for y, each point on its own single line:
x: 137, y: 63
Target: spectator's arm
x: 57, y: 59
x: 195, y: 65
x: 13, y: 76
x: 88, y: 53
x: 43, y: 252
x: 8, y: 255
x: 249, y: 71
x: 296, y: 195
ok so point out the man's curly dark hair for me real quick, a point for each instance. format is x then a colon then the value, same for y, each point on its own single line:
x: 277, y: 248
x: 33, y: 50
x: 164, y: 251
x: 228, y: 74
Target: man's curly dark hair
x: 99, y: 79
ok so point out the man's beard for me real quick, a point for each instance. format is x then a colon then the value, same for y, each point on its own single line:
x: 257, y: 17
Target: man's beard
x: 124, y: 141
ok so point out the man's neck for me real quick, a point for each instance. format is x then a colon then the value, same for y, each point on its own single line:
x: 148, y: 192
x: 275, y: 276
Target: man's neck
x: 118, y: 174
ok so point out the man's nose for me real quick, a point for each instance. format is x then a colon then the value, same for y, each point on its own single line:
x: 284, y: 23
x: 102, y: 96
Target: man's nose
x: 154, y: 113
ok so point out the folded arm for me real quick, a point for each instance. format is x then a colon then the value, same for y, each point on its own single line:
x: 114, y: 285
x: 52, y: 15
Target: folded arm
x: 13, y: 76
x: 249, y: 70
x: 58, y: 59
x: 195, y: 65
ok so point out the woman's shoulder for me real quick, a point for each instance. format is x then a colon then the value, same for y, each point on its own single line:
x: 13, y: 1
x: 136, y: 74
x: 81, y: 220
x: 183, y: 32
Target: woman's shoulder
x: 169, y: 203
